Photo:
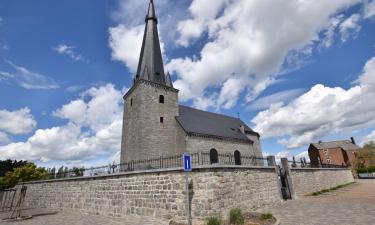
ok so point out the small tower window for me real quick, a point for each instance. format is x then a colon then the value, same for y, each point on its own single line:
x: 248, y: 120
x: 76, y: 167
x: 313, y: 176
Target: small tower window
x: 161, y: 99
x: 131, y: 102
x: 161, y: 119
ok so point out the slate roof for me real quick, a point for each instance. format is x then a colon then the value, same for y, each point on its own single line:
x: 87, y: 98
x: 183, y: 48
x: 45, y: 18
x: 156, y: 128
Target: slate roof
x: 195, y: 121
x: 344, y: 144
x: 150, y: 65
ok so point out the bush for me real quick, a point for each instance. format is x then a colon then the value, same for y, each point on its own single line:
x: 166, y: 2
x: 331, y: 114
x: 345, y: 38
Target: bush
x: 213, y: 220
x: 266, y: 216
x: 370, y: 169
x: 236, y: 217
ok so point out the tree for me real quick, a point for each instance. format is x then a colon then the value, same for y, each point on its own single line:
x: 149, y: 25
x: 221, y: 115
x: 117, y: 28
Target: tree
x: 369, y: 146
x: 25, y: 173
x: 365, y: 158
x: 9, y: 165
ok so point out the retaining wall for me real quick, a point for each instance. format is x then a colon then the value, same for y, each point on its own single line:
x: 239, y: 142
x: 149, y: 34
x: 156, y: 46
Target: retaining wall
x: 161, y: 193
x: 309, y: 180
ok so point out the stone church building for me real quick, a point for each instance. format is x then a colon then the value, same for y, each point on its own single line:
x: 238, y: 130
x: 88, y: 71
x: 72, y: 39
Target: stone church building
x: 155, y: 125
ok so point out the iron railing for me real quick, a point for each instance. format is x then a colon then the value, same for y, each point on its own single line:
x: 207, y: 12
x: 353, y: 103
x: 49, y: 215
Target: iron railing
x: 163, y: 162
x: 303, y: 164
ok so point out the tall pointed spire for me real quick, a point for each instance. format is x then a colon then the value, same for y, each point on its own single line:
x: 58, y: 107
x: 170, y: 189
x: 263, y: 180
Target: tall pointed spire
x: 150, y: 65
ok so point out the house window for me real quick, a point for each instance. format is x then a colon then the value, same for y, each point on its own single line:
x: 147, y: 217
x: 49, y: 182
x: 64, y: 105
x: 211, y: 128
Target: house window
x: 161, y: 99
x: 213, y: 156
x: 237, y: 157
x: 161, y: 119
x: 131, y: 102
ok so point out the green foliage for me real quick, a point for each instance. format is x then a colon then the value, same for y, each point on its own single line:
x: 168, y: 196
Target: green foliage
x: 236, y: 217
x: 2, y: 183
x: 9, y: 165
x: 78, y: 172
x: 370, y: 169
x: 60, y: 172
x: 369, y: 146
x: 365, y: 159
x: 266, y: 216
x: 213, y: 220
x: 25, y: 173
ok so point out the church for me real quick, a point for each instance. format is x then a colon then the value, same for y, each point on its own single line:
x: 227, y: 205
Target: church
x: 155, y: 125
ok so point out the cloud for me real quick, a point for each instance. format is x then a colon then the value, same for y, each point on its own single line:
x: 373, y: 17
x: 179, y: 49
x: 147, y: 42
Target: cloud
x: 4, y: 76
x: 369, y: 9
x: 26, y: 78
x: 69, y: 51
x: 368, y: 138
x: 283, y: 97
x: 125, y: 43
x: 4, y: 138
x: 321, y: 111
x: 17, y: 122
x: 350, y: 27
x: 242, y: 51
x: 92, y: 130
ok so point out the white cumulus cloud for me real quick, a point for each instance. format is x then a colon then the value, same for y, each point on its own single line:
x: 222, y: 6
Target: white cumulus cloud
x: 17, y: 122
x: 248, y: 42
x: 321, y: 111
x: 93, y: 129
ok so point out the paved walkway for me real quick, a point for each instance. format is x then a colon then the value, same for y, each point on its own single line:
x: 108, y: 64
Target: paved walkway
x: 76, y: 218
x: 351, y: 205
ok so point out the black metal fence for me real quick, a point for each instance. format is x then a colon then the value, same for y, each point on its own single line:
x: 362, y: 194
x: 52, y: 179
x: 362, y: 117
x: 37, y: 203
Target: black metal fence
x: 164, y: 162
x: 301, y: 163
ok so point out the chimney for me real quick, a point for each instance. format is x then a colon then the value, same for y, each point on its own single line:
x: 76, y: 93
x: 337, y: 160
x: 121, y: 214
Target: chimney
x: 242, y: 129
x: 352, y: 139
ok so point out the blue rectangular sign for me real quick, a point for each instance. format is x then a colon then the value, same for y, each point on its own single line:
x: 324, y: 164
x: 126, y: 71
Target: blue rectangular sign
x: 187, y: 162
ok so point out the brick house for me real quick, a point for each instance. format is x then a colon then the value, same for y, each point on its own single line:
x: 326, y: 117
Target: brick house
x: 333, y: 152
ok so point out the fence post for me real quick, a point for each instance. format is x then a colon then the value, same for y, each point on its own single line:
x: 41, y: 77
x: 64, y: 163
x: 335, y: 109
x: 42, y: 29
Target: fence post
x: 285, y: 165
x: 271, y: 161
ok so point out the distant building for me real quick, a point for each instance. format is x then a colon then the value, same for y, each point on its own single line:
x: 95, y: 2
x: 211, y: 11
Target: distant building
x: 333, y: 152
x: 155, y: 125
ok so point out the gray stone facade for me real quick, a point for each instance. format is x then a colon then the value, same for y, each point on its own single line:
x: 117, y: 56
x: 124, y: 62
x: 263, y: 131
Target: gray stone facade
x: 204, y: 144
x: 144, y: 136
x: 308, y: 180
x: 160, y: 194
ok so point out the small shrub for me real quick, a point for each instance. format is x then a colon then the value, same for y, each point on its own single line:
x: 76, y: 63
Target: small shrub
x: 213, y: 220
x: 266, y: 216
x: 236, y: 217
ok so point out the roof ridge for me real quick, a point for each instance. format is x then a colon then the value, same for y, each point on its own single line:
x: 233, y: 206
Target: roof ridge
x: 212, y: 113
x: 331, y: 141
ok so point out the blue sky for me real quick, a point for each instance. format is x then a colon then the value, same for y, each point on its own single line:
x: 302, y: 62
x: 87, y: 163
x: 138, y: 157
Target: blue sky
x: 296, y: 72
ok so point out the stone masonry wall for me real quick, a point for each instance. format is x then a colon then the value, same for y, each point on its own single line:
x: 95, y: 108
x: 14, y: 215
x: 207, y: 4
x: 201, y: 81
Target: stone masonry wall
x: 202, y: 144
x: 144, y: 136
x: 160, y: 194
x: 309, y: 180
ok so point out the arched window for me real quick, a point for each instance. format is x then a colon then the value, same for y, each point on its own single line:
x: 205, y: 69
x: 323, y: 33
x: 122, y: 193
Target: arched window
x: 131, y: 102
x: 161, y: 98
x: 237, y: 157
x: 213, y: 156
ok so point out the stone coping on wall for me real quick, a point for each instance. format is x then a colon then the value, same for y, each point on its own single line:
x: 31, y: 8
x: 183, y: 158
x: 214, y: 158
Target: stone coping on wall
x: 140, y: 172
x: 319, y: 169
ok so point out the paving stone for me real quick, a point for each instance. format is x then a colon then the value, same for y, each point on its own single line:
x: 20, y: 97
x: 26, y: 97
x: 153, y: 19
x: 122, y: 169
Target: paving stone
x: 352, y: 205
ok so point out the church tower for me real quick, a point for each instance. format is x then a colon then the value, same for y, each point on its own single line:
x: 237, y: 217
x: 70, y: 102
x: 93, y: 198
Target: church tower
x: 151, y: 104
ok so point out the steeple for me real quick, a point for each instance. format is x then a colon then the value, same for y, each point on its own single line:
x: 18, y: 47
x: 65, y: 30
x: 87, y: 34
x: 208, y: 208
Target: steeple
x: 150, y: 65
